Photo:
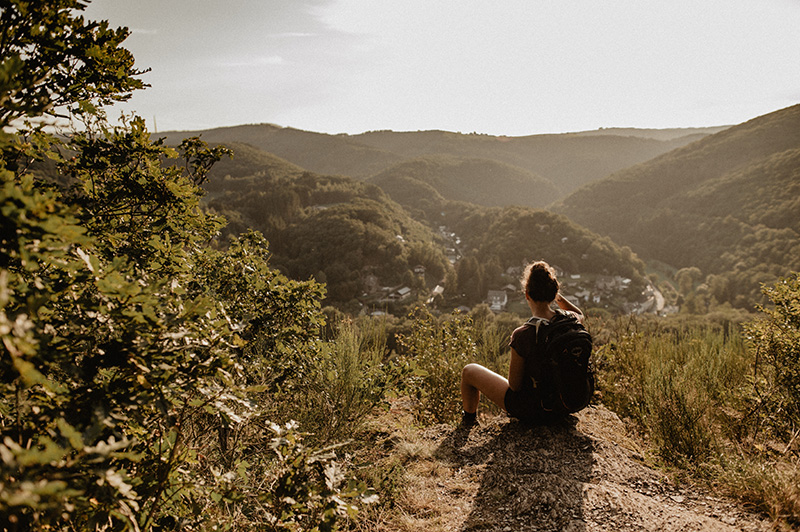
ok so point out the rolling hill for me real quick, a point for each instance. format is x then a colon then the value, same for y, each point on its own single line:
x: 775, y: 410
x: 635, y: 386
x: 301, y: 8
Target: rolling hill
x: 315, y: 152
x: 424, y: 182
x: 727, y: 204
x: 684, y: 133
x: 349, y: 234
x: 567, y: 160
x: 724, y: 200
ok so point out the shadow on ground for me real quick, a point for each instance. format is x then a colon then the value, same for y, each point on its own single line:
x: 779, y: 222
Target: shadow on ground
x: 531, y: 478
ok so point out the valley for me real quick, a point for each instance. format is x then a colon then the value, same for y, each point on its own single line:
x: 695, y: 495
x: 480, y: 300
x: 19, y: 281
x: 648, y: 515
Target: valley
x: 366, y: 210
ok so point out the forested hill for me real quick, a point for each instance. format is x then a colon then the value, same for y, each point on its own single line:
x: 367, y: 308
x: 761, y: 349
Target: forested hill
x: 316, y: 152
x: 349, y: 234
x: 727, y: 204
x: 422, y: 183
x: 567, y: 160
x: 687, y: 133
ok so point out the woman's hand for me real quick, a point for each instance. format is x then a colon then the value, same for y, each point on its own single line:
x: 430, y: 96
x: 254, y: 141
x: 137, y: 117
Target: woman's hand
x: 565, y: 304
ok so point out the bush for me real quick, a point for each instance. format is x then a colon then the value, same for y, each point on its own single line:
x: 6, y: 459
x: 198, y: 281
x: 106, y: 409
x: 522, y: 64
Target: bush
x: 293, y: 488
x: 126, y: 339
x: 437, y: 352
x: 676, y: 385
x: 345, y: 379
x: 775, y: 339
x: 691, y: 390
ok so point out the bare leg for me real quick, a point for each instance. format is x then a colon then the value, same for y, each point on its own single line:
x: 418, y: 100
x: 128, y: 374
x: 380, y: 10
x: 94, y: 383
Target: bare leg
x: 476, y: 379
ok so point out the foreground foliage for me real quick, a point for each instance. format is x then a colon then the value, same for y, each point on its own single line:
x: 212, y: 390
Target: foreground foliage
x: 126, y: 334
x: 717, y: 403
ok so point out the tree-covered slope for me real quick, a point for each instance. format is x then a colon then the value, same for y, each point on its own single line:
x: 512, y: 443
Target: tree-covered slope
x: 516, y: 235
x: 766, y: 192
x: 246, y: 166
x: 567, y: 160
x: 336, y: 229
x: 727, y: 204
x: 416, y: 183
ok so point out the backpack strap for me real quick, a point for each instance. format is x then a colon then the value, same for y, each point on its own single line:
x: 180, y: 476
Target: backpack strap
x: 536, y: 323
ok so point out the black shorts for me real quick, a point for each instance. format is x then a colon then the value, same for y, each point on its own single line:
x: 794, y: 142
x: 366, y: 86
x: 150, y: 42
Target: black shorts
x: 526, y: 407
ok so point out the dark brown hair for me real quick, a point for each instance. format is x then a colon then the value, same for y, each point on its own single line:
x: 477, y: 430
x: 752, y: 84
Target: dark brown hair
x: 539, y: 281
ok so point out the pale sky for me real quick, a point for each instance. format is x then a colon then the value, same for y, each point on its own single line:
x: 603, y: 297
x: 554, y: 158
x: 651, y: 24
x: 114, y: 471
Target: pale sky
x: 502, y: 67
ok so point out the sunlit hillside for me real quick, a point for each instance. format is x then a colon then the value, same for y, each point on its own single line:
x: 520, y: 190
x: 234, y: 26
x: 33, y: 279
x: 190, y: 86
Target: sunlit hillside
x: 727, y: 204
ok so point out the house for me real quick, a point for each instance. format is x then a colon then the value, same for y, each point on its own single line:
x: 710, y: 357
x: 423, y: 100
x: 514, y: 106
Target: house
x: 400, y: 294
x: 498, y: 300
x: 437, y: 291
x: 622, y: 283
x: 419, y: 269
x: 583, y: 295
x: 604, y: 283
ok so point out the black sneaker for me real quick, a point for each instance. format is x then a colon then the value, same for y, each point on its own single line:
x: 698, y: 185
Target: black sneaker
x: 468, y: 420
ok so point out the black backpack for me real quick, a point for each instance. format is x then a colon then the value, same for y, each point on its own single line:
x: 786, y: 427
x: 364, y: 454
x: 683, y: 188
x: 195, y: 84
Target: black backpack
x: 562, y: 372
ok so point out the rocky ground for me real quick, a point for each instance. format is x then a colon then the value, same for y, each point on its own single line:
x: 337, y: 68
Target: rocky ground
x: 582, y: 475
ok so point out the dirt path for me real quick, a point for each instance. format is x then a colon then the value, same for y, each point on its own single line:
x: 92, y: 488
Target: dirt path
x: 580, y: 476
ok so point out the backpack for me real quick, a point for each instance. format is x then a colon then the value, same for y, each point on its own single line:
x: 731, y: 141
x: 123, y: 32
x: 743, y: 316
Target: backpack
x: 563, y: 373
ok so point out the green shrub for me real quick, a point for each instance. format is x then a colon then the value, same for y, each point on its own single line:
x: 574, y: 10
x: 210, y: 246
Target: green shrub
x: 438, y: 351
x: 289, y: 488
x: 677, y: 415
x: 775, y: 340
x: 345, y: 379
x: 676, y: 385
x: 127, y: 400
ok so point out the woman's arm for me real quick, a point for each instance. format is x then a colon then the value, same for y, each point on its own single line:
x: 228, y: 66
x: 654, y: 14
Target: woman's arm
x: 516, y: 371
x: 565, y: 304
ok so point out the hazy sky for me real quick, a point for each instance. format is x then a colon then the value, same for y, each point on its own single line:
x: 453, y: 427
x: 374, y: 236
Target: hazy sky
x: 502, y: 67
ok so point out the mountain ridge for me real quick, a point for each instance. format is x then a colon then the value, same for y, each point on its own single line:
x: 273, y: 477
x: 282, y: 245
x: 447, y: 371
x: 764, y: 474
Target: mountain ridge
x: 568, y: 160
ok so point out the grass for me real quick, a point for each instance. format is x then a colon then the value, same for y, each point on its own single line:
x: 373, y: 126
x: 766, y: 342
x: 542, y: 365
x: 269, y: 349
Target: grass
x: 686, y: 388
x: 689, y: 391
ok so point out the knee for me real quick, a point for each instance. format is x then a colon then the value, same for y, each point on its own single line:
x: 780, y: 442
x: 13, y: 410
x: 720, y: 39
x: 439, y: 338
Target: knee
x: 469, y: 372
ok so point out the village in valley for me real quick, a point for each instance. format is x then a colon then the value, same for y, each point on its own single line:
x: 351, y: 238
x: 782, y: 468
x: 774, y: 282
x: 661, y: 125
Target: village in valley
x: 589, y: 291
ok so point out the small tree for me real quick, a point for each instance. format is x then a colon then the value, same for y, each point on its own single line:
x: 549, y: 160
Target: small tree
x: 776, y: 340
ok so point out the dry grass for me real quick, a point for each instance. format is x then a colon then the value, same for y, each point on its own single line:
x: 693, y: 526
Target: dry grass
x: 773, y: 487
